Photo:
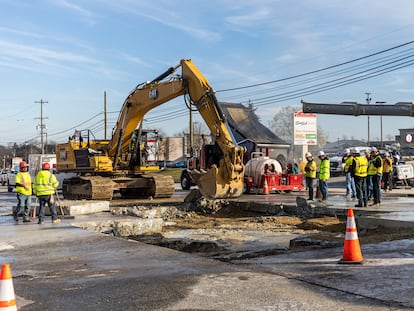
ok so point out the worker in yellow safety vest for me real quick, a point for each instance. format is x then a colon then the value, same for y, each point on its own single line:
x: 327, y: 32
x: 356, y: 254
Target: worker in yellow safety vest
x: 387, y: 172
x: 375, y: 171
x: 359, y: 169
x: 347, y: 159
x: 24, y: 193
x: 45, y: 185
x: 310, y: 174
x: 324, y: 175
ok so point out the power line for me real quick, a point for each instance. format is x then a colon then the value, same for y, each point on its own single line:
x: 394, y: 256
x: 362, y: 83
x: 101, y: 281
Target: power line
x: 318, y: 70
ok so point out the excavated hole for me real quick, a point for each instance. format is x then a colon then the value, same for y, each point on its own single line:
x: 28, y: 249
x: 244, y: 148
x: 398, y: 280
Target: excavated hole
x: 224, y: 231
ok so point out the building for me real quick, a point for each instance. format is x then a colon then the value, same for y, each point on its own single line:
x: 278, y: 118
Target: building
x: 250, y: 133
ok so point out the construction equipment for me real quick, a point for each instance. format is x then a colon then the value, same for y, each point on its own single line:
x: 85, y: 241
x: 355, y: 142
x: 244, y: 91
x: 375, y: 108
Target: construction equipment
x: 105, y: 165
x: 263, y: 174
x: 356, y: 109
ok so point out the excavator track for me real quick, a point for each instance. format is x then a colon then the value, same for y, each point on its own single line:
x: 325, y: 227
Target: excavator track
x: 88, y: 188
x: 155, y: 186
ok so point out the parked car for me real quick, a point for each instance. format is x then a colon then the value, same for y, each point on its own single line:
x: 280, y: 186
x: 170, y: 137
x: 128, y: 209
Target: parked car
x: 180, y: 164
x: 3, y: 178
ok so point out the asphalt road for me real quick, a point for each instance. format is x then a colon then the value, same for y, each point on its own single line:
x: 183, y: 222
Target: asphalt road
x: 59, y: 267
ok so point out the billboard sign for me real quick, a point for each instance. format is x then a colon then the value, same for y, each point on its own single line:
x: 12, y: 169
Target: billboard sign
x: 305, y: 129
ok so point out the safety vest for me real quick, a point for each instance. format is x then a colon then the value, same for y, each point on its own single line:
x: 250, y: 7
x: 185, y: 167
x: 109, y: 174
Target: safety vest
x: 387, y: 167
x: 311, y: 171
x: 348, y: 163
x: 372, y: 170
x: 23, y: 178
x: 361, y: 167
x: 45, y: 183
x: 324, y: 169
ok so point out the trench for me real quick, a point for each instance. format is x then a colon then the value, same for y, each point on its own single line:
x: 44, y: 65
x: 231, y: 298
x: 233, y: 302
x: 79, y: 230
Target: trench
x: 228, y: 231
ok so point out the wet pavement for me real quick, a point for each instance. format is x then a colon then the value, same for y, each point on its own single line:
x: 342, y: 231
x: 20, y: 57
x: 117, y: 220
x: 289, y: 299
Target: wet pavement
x: 61, y: 267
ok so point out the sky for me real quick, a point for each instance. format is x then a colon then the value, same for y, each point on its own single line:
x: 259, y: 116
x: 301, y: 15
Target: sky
x: 67, y: 53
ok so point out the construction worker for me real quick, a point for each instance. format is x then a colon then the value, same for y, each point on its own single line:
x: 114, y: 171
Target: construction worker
x: 350, y: 182
x: 359, y: 169
x: 375, y: 171
x: 387, y: 172
x: 324, y: 175
x: 368, y: 179
x: 310, y: 174
x: 24, y: 193
x: 45, y: 185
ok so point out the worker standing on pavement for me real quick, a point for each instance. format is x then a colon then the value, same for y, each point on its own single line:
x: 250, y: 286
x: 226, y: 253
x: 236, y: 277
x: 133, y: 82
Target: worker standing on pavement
x: 24, y: 193
x: 310, y: 174
x: 45, y: 185
x: 375, y: 170
x: 359, y: 169
x: 368, y: 180
x: 324, y: 175
x: 387, y: 172
x: 350, y: 182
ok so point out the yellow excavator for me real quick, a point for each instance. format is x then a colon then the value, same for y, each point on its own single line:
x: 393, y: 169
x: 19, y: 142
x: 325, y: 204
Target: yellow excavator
x: 101, y: 166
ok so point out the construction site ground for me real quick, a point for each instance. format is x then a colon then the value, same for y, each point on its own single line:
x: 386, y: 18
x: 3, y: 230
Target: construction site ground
x: 255, y: 253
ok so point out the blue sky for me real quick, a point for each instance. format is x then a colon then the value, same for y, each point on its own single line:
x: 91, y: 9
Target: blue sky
x: 68, y: 52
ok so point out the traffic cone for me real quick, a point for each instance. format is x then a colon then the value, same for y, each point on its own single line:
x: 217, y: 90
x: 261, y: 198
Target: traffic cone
x: 352, y: 249
x: 265, y: 186
x: 7, y: 299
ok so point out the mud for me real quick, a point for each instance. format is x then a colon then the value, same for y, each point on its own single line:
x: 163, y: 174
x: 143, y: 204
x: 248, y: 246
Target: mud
x: 226, y: 232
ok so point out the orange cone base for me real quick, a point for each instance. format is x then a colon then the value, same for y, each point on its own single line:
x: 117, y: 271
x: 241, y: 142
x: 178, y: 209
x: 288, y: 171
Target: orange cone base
x: 353, y: 262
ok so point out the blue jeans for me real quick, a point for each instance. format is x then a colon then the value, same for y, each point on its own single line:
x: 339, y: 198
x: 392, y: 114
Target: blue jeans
x: 23, y: 201
x: 368, y: 182
x: 323, y: 186
x: 43, y: 200
x: 361, y: 190
x: 350, y: 185
x: 376, y: 188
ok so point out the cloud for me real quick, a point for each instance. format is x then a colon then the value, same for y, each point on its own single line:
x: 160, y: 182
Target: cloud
x: 166, y: 13
x: 87, y: 14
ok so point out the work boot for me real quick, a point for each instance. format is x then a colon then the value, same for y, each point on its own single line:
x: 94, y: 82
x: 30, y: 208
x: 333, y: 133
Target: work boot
x: 16, y: 218
x: 56, y: 221
x: 26, y: 219
x: 358, y: 205
x: 40, y: 222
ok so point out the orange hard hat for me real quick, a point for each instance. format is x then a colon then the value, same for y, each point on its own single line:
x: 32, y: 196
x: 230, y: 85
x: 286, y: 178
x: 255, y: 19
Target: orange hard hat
x: 46, y: 166
x: 23, y: 164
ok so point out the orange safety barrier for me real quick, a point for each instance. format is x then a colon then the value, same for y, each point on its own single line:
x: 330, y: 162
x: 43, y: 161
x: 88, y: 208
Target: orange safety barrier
x: 7, y: 298
x: 352, y: 249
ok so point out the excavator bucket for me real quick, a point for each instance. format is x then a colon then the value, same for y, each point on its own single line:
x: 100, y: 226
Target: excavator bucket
x: 212, y: 185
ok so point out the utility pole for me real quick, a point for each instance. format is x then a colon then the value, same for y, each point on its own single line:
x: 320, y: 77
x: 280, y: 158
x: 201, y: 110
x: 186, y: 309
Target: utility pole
x: 42, y: 125
x: 105, y: 120
x: 368, y: 99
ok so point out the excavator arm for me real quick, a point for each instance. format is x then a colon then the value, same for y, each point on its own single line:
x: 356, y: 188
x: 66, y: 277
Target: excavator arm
x: 356, y: 109
x: 223, y: 179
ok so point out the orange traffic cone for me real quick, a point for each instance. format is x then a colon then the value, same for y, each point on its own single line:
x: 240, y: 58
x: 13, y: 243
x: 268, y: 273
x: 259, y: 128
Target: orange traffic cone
x: 352, y: 249
x: 265, y: 186
x: 7, y: 299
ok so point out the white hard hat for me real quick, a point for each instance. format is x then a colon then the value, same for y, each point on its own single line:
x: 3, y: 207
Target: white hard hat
x: 308, y: 154
x: 347, y: 150
x: 321, y: 153
x: 355, y: 150
x: 373, y: 149
x: 387, y: 154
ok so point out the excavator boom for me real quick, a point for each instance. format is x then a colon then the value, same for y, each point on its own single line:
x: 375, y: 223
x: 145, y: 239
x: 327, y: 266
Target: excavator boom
x: 356, y: 109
